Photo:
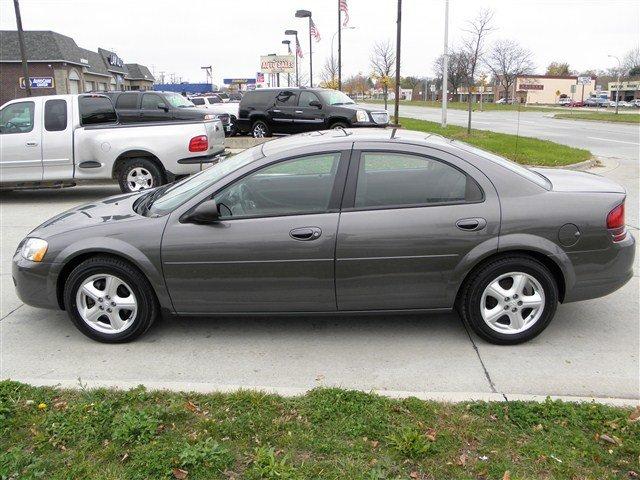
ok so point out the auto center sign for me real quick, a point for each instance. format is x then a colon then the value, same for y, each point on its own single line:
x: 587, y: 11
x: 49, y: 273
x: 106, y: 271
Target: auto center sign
x: 277, y: 64
x: 37, y: 82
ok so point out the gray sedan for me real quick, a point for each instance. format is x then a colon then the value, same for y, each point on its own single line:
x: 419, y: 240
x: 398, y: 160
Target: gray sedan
x: 337, y: 222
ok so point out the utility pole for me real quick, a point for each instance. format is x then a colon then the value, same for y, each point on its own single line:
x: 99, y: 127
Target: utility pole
x: 307, y: 14
x: 445, y: 65
x: 618, y: 83
x: 339, y: 47
x: 396, y: 112
x: 23, y: 53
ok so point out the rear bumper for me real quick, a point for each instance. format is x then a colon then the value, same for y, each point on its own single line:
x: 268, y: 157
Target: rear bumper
x: 601, y: 273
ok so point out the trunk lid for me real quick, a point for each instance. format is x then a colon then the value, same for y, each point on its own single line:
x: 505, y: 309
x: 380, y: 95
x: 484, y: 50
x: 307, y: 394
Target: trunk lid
x: 575, y: 181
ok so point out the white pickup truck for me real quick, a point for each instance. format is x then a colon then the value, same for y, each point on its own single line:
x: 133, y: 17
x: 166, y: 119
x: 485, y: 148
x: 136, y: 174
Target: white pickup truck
x: 61, y: 140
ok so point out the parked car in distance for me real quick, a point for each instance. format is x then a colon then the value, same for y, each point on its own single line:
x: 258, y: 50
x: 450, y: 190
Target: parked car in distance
x: 504, y: 101
x: 235, y: 96
x: 572, y: 103
x: 596, y: 102
x: 223, y: 95
x: 60, y: 140
x: 135, y: 106
x: 266, y: 111
x: 214, y: 104
x: 338, y: 222
x: 636, y: 103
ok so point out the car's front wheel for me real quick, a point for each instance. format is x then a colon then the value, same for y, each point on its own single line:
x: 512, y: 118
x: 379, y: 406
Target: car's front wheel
x: 510, y: 300
x: 109, y: 300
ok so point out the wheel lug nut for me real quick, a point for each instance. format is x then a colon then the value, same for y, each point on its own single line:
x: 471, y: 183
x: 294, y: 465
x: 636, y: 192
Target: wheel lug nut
x: 506, y: 307
x: 506, y: 299
x: 113, y: 304
x: 520, y: 303
x: 514, y: 310
x: 101, y: 307
x: 514, y: 296
x: 100, y: 299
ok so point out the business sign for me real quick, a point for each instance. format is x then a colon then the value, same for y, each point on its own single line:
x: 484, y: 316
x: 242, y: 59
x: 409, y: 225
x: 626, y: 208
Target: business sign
x: 584, y: 80
x: 38, y: 82
x: 259, y: 77
x: 239, y: 81
x: 278, y: 64
x: 115, y: 60
x: 632, y: 85
x: 530, y: 86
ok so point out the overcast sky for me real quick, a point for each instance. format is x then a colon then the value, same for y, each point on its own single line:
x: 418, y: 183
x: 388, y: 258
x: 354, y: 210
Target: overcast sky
x: 180, y: 37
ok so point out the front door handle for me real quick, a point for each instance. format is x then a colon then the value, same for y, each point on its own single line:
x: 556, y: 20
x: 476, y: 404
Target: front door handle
x: 31, y: 144
x: 471, y: 224
x: 299, y: 111
x: 305, y: 233
x: 276, y: 111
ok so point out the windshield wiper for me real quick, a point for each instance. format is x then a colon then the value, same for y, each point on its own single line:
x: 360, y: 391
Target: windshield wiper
x: 152, y: 197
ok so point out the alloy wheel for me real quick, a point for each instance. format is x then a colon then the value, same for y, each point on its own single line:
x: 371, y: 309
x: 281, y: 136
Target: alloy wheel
x: 512, y: 303
x: 139, y: 178
x: 106, y: 303
x: 259, y: 131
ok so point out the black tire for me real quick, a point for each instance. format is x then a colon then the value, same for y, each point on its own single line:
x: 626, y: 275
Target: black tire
x: 147, y: 304
x: 260, y: 125
x: 157, y: 178
x: 233, y: 131
x: 335, y: 125
x: 471, y: 297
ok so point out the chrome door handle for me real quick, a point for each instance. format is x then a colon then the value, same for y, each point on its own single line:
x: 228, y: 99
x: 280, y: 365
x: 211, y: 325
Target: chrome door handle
x: 305, y: 233
x: 31, y: 144
x: 276, y: 111
x: 299, y: 111
x: 471, y: 224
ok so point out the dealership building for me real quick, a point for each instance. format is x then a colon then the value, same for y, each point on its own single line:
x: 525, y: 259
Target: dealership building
x: 547, y: 89
x: 57, y: 65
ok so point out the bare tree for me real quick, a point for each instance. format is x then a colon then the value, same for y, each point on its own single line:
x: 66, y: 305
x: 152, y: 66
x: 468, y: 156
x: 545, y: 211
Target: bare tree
x: 631, y: 62
x: 329, y: 74
x: 455, y: 70
x: 473, y: 52
x: 383, y: 60
x: 507, y: 60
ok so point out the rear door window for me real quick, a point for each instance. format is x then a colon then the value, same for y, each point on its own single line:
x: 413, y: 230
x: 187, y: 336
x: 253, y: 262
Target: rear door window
x: 55, y: 115
x: 286, y: 98
x: 388, y: 179
x: 127, y: 101
x: 151, y: 101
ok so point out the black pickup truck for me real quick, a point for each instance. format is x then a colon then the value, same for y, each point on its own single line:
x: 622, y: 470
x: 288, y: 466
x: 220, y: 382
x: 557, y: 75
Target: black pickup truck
x: 151, y: 106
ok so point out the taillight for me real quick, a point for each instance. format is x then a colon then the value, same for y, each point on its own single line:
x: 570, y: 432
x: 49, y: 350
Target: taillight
x: 199, y: 144
x: 615, y: 223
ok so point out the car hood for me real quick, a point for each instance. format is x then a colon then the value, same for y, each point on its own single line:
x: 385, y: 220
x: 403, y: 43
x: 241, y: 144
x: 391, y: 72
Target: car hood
x: 111, y: 210
x: 575, y: 181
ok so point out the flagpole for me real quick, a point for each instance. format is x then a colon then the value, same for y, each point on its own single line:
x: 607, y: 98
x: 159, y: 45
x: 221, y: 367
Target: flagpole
x: 339, y: 47
x: 297, y: 47
x: 310, y: 55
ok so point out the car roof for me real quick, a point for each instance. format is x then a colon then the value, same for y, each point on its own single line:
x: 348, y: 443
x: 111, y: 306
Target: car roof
x: 349, y: 135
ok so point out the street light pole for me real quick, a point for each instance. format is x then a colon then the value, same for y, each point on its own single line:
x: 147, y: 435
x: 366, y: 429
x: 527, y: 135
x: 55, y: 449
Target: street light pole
x: 307, y: 14
x: 339, y: 47
x: 618, y: 82
x: 396, y: 110
x: 288, y: 44
x: 295, y: 33
x: 445, y: 65
x: 23, y: 53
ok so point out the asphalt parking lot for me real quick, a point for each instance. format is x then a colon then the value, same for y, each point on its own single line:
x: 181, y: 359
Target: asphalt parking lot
x: 590, y: 349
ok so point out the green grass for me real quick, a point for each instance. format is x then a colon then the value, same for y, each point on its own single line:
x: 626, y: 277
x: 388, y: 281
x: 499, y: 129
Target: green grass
x: 326, y: 434
x: 525, y: 150
x: 601, y: 117
x: 486, y: 106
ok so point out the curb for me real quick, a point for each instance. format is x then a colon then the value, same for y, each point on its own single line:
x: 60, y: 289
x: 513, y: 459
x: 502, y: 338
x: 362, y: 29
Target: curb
x: 447, y: 397
x: 586, y: 165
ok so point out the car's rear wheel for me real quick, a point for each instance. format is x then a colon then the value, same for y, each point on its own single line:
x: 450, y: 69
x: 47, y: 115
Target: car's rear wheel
x: 109, y: 300
x: 510, y: 300
x: 260, y: 129
x: 139, y: 174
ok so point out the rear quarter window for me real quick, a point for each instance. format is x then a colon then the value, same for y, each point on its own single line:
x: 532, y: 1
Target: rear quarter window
x: 257, y: 97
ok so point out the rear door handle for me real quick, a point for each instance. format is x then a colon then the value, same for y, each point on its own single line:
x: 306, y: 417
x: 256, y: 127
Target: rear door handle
x: 276, y: 111
x: 305, y: 233
x: 471, y: 224
x: 299, y: 111
x: 31, y: 144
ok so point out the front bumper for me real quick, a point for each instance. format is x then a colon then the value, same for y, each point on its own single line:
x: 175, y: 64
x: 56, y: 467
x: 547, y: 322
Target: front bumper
x: 35, y: 282
x: 603, y: 272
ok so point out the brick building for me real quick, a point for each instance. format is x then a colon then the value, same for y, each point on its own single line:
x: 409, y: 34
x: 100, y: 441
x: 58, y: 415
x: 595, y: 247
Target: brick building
x: 57, y: 65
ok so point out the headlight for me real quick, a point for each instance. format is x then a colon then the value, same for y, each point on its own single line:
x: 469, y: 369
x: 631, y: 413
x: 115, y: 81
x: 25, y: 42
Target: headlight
x: 34, y: 249
x: 362, y: 116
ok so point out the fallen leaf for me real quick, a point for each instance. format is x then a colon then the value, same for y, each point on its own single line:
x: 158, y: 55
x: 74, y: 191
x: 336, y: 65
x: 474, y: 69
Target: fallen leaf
x: 414, y: 475
x: 608, y: 439
x: 633, y: 474
x: 462, y: 460
x: 538, y: 428
x: 29, y: 402
x: 61, y: 405
x: 634, y: 416
x: 192, y: 407
x: 506, y: 476
x: 431, y: 435
x: 180, y: 474
x: 375, y: 443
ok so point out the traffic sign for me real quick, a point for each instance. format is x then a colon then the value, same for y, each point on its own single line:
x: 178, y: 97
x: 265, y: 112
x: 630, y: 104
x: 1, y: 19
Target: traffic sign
x: 584, y: 80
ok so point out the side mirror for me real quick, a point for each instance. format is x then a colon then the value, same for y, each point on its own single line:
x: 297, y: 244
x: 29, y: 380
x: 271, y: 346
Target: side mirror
x: 163, y: 107
x: 206, y: 212
x: 315, y: 103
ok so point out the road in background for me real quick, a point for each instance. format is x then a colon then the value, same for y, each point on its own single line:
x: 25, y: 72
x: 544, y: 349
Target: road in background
x: 602, y: 139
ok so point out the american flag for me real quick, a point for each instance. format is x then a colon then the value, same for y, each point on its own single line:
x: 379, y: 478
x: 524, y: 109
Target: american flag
x: 342, y: 5
x: 314, y: 30
x: 298, y: 49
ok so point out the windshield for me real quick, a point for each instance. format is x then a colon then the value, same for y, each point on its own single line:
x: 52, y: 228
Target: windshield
x: 535, y: 177
x: 334, y: 97
x: 182, y: 191
x: 178, y: 101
